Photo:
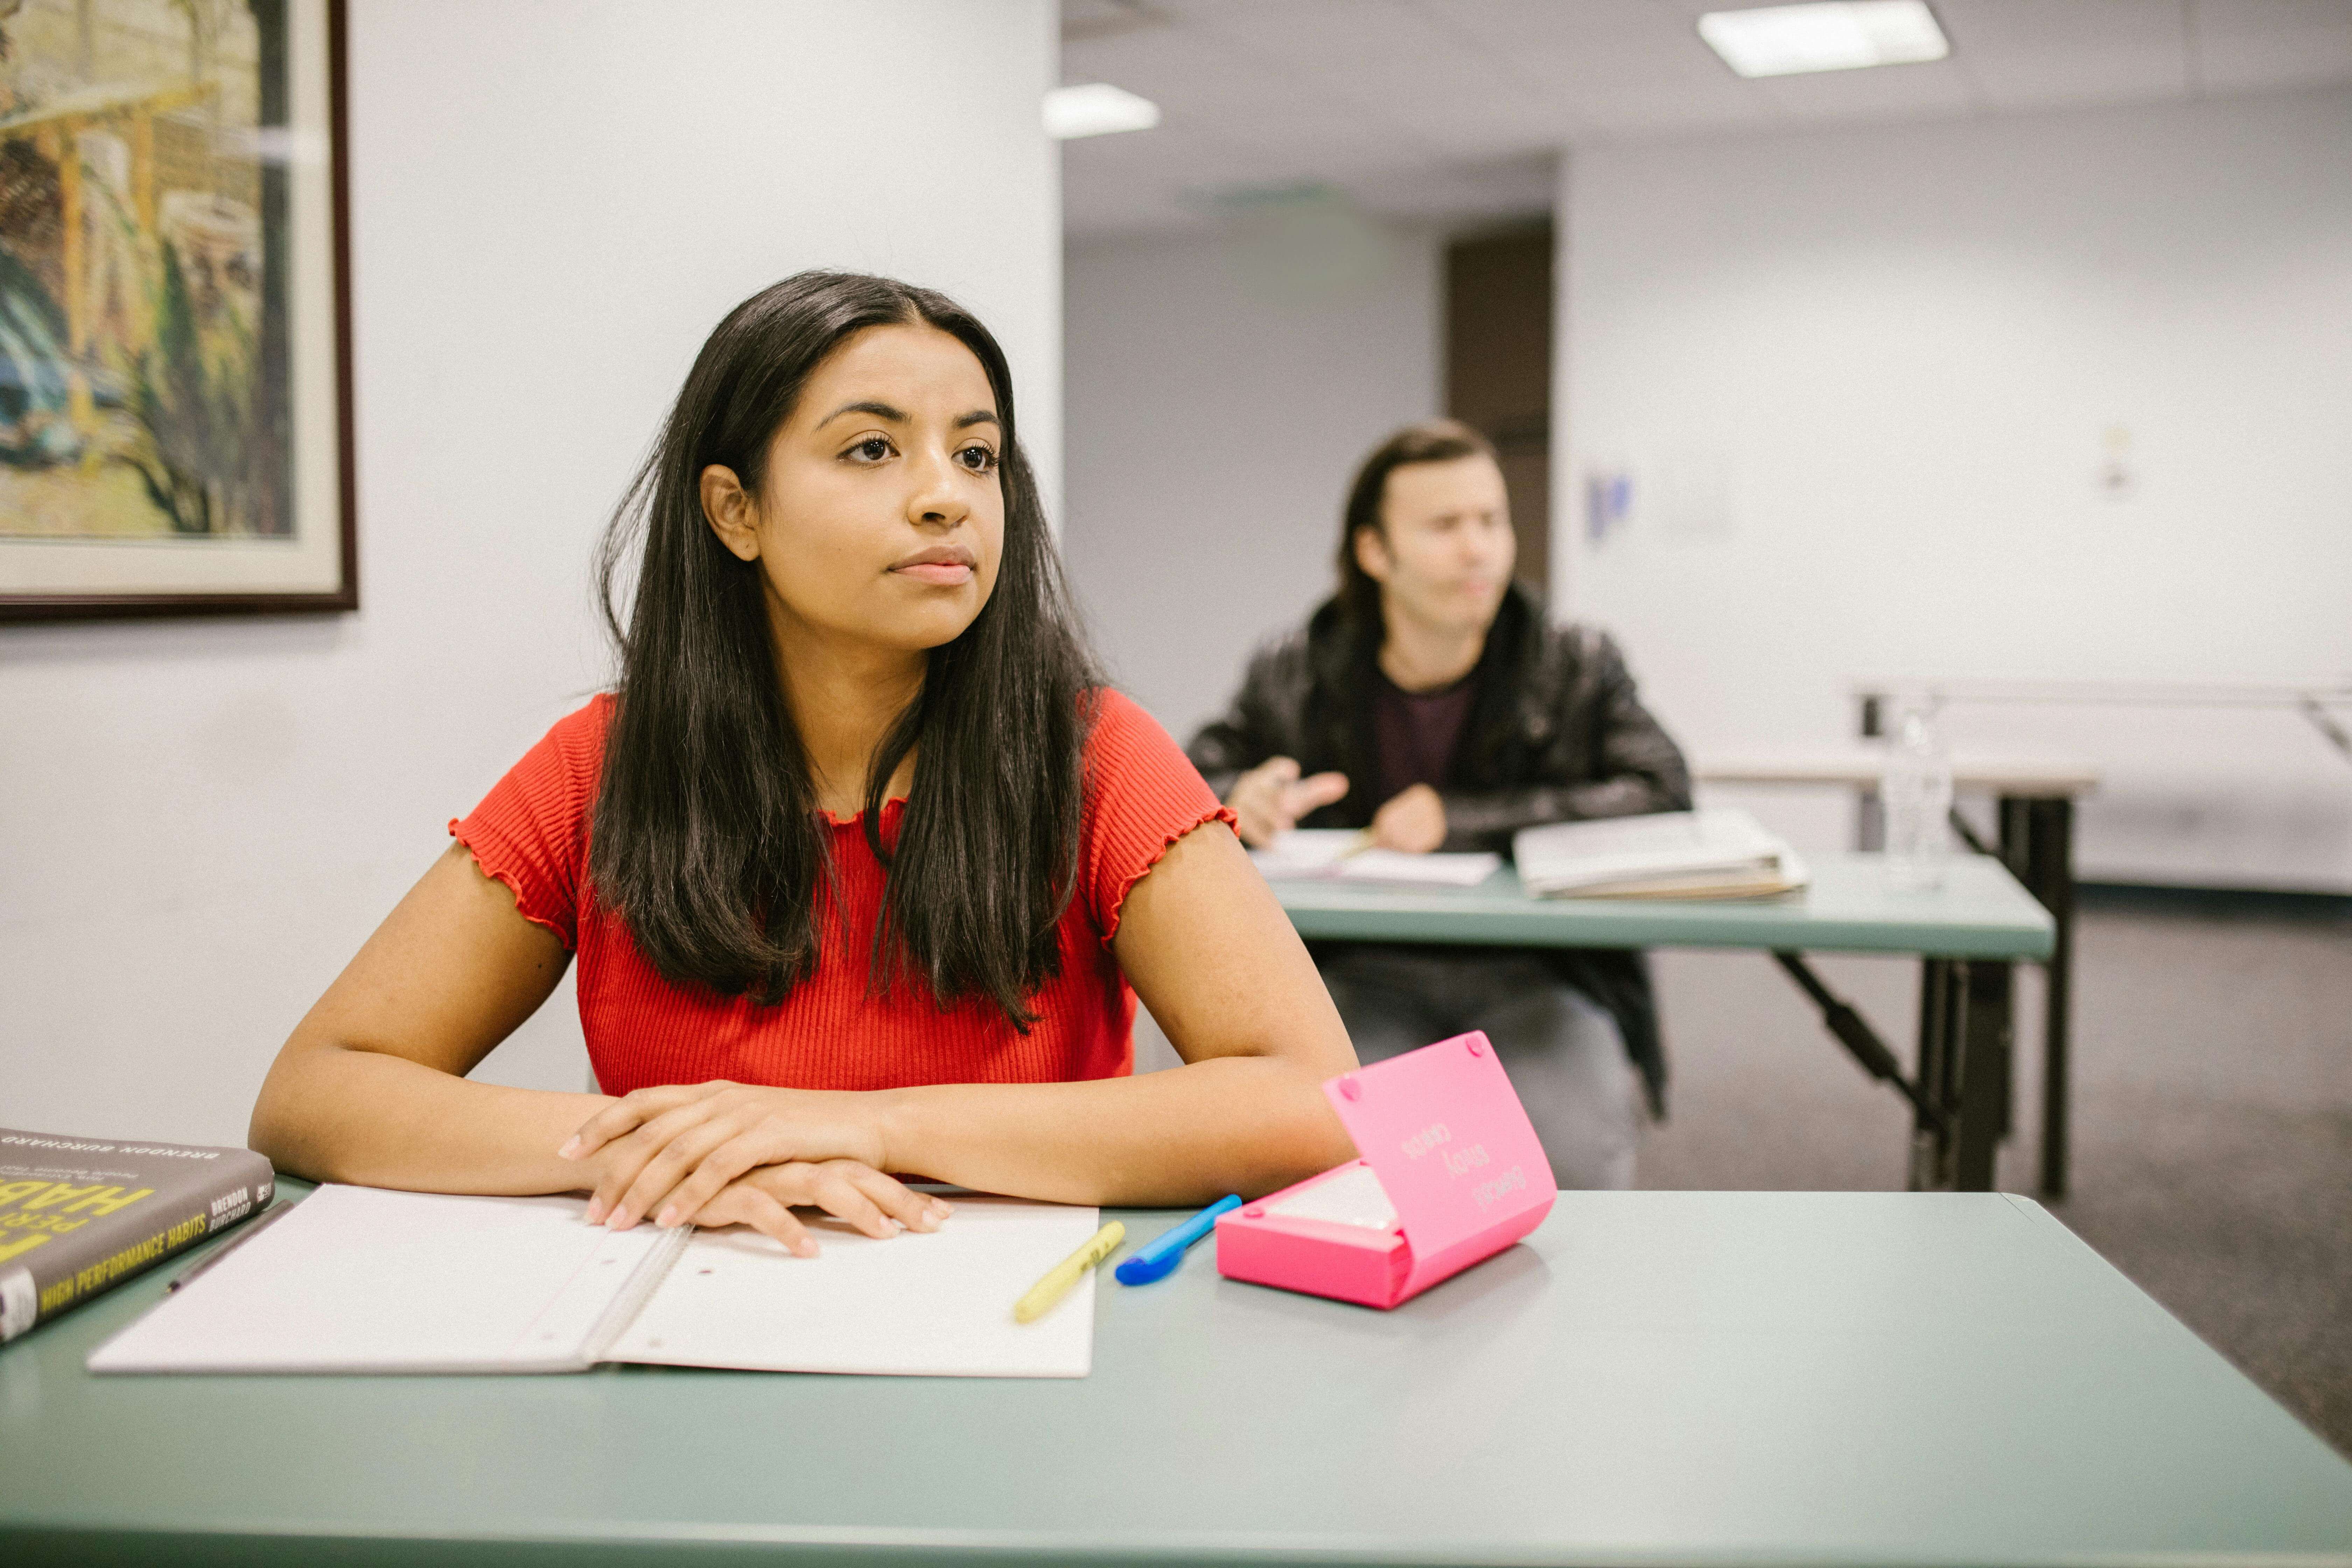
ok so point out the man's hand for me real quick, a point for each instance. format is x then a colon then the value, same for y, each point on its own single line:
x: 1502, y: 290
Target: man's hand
x: 1412, y: 821
x: 1271, y: 797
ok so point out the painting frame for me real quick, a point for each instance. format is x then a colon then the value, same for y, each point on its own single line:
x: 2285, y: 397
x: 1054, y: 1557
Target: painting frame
x: 327, y: 397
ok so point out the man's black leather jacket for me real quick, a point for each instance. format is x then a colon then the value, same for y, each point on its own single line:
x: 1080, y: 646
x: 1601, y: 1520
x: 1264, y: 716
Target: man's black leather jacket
x: 1556, y: 734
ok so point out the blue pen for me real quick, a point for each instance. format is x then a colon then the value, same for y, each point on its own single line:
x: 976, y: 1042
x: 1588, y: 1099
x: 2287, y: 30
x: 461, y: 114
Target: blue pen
x: 1159, y: 1260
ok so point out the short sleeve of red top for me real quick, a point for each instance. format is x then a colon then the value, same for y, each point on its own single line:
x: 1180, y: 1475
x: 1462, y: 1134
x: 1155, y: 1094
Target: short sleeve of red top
x: 531, y: 833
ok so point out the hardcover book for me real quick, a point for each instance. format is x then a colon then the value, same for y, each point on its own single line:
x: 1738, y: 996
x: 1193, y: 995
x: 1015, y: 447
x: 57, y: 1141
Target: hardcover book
x: 78, y: 1215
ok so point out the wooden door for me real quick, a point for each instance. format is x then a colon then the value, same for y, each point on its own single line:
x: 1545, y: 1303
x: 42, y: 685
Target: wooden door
x: 1498, y: 310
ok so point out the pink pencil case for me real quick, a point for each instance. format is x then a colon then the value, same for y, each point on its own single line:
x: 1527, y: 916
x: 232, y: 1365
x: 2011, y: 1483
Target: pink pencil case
x: 1451, y: 1173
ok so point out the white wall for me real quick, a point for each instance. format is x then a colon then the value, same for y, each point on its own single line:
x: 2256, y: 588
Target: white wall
x: 551, y: 205
x: 1863, y: 380
x: 1222, y: 386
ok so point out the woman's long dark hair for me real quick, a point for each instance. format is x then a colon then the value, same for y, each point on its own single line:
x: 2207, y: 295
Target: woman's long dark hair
x: 707, y: 838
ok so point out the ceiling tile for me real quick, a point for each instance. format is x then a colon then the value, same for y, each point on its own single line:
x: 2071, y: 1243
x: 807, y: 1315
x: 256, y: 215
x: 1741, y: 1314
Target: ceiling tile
x: 1891, y: 92
x: 2272, y: 61
x: 2029, y: 26
x: 1456, y: 193
x: 2063, y: 79
x: 2049, y: 54
x: 1572, y: 67
x: 1330, y: 34
x: 2210, y: 18
x: 1512, y: 25
x: 2264, y: 46
x: 1165, y: 59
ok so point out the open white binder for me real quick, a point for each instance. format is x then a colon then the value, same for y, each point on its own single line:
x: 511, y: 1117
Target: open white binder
x: 1715, y: 854
x: 358, y: 1280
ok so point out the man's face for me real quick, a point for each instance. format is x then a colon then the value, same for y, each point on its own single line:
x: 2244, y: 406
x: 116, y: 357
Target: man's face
x: 1442, y: 552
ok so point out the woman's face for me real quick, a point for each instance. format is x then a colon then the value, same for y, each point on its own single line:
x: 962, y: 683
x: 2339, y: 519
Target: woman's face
x: 881, y: 517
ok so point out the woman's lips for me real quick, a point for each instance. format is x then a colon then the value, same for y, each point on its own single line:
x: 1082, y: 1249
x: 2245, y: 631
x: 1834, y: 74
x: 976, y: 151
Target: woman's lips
x: 945, y: 574
x: 942, y: 565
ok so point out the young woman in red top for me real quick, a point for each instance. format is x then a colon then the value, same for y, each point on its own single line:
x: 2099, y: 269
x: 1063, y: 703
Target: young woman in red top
x: 859, y: 864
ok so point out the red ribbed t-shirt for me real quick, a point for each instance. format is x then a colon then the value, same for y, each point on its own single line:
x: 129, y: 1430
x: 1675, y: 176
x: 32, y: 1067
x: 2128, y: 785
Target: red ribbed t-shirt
x: 531, y: 833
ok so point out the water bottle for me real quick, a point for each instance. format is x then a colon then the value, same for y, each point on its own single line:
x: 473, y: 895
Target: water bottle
x: 1916, y: 790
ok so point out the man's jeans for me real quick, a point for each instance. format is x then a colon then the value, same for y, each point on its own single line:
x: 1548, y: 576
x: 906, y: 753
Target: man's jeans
x: 1563, y: 1052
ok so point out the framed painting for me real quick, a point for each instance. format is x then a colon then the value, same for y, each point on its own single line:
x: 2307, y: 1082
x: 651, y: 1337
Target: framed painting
x: 175, y: 425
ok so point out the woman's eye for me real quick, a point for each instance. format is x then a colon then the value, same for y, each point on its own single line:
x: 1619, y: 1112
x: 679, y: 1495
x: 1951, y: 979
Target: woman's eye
x: 978, y: 459
x: 874, y: 448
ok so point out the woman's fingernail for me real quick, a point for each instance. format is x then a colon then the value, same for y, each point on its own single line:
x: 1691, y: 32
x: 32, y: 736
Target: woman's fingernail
x: 805, y: 1247
x: 571, y: 1148
x: 595, y: 1212
x: 667, y: 1217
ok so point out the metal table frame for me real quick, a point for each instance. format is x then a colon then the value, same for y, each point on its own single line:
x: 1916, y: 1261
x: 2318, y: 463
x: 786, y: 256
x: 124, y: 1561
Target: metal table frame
x: 1960, y: 1090
x: 2035, y: 839
x: 2034, y: 811
x: 2036, y: 832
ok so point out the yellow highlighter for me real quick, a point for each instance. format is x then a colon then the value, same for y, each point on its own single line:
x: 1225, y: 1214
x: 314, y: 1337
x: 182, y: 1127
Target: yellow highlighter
x: 1063, y: 1274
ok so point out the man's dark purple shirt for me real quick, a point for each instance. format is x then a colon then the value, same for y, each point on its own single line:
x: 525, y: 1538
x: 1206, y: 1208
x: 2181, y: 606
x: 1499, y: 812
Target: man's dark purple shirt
x: 1416, y: 733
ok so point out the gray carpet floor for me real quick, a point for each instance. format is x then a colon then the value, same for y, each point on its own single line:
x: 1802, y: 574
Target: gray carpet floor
x: 2212, y: 1119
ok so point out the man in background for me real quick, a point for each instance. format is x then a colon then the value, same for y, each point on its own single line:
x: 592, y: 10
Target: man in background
x: 1430, y: 701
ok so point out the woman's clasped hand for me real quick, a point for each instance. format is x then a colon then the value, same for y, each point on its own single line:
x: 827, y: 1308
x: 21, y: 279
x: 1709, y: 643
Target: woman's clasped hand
x: 730, y: 1154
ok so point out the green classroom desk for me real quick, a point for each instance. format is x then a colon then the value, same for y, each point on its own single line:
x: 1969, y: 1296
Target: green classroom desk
x: 1736, y: 1379
x: 1967, y: 934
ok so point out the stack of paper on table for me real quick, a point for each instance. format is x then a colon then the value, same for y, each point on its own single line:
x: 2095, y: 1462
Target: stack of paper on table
x: 1341, y: 854
x: 362, y: 1280
x: 1670, y: 855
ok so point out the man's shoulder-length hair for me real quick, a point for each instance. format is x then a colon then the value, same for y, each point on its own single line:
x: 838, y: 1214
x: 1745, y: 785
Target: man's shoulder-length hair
x: 1426, y: 441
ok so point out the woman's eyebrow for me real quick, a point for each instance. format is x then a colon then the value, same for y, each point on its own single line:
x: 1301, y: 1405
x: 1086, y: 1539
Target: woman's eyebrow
x: 900, y: 416
x: 879, y: 411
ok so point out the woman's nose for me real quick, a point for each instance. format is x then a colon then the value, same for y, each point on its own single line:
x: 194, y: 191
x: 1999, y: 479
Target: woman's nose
x: 936, y: 499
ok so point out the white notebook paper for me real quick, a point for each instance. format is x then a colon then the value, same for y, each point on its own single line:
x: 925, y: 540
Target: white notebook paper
x: 1335, y: 853
x: 359, y: 1279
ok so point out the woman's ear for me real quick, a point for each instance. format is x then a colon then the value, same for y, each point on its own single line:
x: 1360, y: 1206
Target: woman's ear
x: 1371, y: 551
x: 728, y: 507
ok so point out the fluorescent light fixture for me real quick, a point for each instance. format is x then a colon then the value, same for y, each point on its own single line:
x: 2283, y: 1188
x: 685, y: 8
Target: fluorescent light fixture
x: 1096, y: 109
x: 1783, y: 40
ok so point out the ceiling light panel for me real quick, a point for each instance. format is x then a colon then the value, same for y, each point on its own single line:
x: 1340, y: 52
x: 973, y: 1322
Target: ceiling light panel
x: 1786, y: 40
x: 1098, y: 108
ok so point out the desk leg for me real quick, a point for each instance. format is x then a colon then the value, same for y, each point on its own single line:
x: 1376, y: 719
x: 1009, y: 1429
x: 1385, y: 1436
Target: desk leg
x: 2037, y: 842
x: 1965, y: 1032
x: 1983, y: 1082
x: 1931, y: 1142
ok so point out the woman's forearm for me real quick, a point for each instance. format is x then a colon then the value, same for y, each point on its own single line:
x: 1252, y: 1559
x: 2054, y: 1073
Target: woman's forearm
x: 332, y: 1113
x: 1189, y: 1135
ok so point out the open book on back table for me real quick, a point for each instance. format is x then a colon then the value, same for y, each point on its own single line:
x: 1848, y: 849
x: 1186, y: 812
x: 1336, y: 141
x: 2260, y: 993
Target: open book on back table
x: 1724, y: 854
x: 1346, y: 854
